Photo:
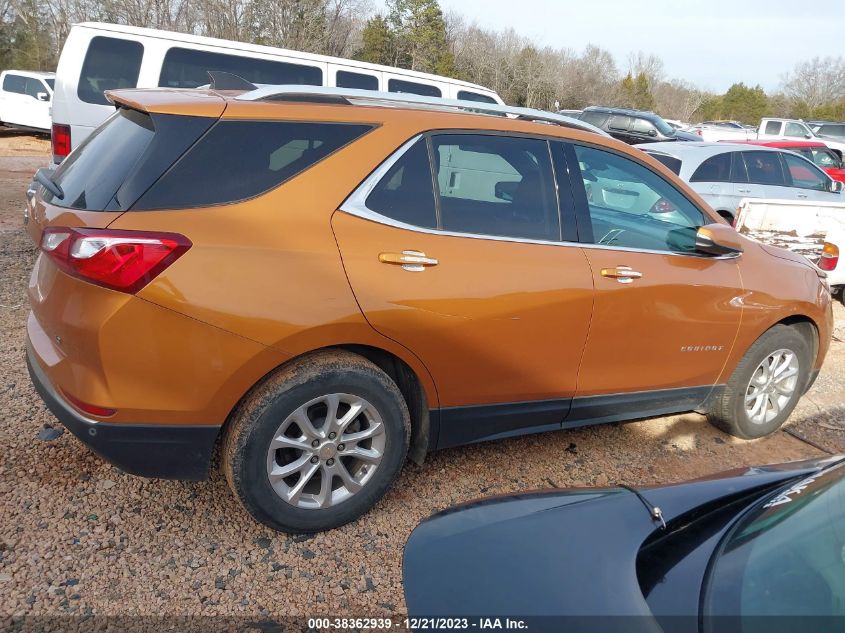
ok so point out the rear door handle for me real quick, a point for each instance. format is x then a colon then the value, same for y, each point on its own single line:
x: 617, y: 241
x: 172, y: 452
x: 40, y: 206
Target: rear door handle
x: 802, y: 195
x: 412, y: 261
x: 622, y: 274
x: 744, y: 190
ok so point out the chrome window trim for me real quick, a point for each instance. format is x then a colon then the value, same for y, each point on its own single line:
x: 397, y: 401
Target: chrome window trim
x: 356, y: 205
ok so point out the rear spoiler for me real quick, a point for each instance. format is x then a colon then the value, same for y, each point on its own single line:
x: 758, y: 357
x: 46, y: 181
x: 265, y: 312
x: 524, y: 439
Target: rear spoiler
x: 187, y: 102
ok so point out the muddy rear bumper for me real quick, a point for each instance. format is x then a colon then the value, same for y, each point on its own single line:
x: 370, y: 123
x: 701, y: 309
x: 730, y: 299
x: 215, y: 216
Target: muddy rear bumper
x: 148, y: 450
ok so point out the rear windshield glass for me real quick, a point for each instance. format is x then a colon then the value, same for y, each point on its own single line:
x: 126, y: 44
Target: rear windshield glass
x: 237, y: 160
x: 92, y: 174
x: 110, y: 63
x: 674, y: 164
x: 185, y: 68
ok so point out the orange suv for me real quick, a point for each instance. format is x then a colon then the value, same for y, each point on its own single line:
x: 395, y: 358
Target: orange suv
x: 330, y: 280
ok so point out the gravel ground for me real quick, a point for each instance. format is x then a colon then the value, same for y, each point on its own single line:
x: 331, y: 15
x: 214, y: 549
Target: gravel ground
x: 78, y: 537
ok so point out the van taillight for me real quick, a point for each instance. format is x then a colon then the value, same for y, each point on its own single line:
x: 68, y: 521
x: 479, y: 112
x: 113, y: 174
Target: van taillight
x: 60, y: 139
x: 830, y: 257
x: 125, y: 261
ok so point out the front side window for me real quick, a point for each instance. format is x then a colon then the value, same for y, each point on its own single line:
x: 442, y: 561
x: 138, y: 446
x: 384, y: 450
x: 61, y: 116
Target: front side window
x: 412, y: 87
x: 187, y: 68
x: 642, y: 126
x: 714, y: 169
x: 619, y: 123
x: 804, y: 174
x: 783, y: 558
x: 824, y: 158
x: 496, y: 185
x: 236, y: 160
x: 34, y: 87
x: 764, y: 168
x: 633, y: 207
x: 795, y: 129
x: 110, y: 64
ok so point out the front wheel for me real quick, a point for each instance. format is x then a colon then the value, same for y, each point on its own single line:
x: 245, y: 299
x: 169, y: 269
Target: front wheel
x: 317, y: 444
x: 765, y: 386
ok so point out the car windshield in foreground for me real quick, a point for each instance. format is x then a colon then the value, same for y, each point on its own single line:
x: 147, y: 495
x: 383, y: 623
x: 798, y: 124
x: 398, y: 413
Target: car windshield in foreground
x: 786, y: 557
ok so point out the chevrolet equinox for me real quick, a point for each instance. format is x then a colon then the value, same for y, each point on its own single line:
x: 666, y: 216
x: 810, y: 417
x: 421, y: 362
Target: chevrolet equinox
x: 329, y: 284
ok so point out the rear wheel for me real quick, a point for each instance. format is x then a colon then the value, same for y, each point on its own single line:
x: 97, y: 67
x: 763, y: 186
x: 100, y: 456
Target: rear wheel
x: 318, y: 443
x: 766, y: 385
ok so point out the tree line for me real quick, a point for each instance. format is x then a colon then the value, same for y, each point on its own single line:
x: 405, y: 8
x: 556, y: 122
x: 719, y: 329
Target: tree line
x: 416, y: 34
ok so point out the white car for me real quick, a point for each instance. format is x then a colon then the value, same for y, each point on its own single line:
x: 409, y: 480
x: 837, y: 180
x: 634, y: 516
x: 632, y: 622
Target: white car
x: 725, y: 173
x: 25, y: 99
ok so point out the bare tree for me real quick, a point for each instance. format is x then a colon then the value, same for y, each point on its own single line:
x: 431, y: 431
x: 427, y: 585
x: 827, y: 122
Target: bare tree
x: 817, y: 81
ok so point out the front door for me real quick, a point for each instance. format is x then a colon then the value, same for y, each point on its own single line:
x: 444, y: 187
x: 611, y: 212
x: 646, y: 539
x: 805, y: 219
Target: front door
x: 467, y: 270
x: 665, y: 318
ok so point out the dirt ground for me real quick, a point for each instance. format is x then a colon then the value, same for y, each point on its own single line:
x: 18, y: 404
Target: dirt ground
x: 77, y: 537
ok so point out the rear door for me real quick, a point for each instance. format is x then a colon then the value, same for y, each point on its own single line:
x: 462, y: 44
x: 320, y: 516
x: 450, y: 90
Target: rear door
x: 761, y: 175
x: 453, y: 248
x: 665, y: 317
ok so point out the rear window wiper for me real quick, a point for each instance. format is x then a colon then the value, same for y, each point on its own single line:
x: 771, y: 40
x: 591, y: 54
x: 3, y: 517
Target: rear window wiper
x: 44, y: 179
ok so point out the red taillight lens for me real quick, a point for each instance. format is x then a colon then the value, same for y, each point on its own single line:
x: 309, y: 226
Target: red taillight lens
x: 662, y: 206
x: 121, y: 260
x: 60, y: 139
x: 699, y: 132
x: 830, y: 257
x: 93, y: 409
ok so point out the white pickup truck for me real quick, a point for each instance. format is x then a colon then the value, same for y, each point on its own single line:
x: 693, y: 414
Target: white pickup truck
x: 813, y: 229
x: 795, y: 130
x: 26, y: 99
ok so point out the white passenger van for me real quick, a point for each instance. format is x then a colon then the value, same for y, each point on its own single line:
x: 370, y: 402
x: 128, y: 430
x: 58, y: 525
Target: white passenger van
x: 98, y: 57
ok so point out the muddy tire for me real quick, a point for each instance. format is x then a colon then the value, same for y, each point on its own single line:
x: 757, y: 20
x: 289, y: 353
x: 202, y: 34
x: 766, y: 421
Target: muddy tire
x: 765, y: 386
x: 318, y: 443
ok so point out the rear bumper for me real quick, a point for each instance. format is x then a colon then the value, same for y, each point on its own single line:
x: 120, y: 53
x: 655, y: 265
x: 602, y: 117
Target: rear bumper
x: 163, y: 451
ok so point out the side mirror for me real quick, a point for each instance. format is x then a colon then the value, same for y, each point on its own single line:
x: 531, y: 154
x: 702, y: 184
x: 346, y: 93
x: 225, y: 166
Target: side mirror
x: 42, y: 96
x: 808, y: 135
x: 652, y: 132
x: 718, y: 239
x: 505, y: 189
x: 836, y: 186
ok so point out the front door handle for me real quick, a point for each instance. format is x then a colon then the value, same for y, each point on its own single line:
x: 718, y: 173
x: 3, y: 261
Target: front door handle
x: 622, y: 274
x: 802, y: 195
x: 412, y: 261
x: 744, y: 190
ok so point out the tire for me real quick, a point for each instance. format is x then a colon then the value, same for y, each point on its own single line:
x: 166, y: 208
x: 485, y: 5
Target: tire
x: 274, y: 410
x: 728, y: 412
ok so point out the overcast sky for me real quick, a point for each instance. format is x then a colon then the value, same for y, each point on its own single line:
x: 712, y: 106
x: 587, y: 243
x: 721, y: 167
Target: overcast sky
x: 711, y: 43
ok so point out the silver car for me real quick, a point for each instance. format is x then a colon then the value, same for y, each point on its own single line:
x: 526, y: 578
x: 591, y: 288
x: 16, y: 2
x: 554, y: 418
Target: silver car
x: 725, y: 173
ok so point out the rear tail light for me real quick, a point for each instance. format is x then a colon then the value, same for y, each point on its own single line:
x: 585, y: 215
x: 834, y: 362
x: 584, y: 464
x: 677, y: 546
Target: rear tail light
x: 60, y: 139
x: 662, y: 206
x: 830, y: 256
x: 125, y: 261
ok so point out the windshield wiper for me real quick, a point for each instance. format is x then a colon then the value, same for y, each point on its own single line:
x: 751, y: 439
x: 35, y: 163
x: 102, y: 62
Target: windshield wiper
x: 44, y: 179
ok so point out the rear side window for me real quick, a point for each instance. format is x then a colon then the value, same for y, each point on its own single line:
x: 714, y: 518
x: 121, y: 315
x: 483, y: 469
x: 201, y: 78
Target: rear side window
x: 14, y: 83
x: 406, y: 193
x: 764, y: 168
x: 773, y: 127
x: 92, y: 174
x: 237, y: 160
x: 466, y: 95
x: 674, y: 164
x: 496, y: 185
x: 411, y: 87
x: 714, y: 169
x: 346, y: 79
x: 109, y: 64
x: 186, y: 68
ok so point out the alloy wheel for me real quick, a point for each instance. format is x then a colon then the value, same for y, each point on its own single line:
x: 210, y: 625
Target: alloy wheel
x: 772, y: 386
x: 326, y: 451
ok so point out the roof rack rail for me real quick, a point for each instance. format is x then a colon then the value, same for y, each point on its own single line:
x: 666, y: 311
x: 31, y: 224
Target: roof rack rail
x: 327, y: 94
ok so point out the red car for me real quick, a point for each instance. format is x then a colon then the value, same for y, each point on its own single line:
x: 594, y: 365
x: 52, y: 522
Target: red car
x: 816, y: 151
